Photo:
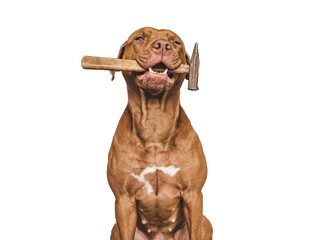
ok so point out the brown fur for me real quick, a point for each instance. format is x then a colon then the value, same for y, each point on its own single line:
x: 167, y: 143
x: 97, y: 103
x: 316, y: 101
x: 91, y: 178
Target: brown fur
x: 155, y: 131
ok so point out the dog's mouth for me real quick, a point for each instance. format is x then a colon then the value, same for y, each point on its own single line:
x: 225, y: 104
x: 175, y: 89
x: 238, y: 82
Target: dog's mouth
x: 156, y: 78
x: 160, y: 68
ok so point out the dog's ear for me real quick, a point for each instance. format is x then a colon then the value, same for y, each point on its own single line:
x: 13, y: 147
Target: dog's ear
x: 188, y: 62
x: 120, y: 55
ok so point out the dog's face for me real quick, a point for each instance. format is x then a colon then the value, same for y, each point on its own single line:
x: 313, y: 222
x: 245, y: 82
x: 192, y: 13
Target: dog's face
x: 154, y: 49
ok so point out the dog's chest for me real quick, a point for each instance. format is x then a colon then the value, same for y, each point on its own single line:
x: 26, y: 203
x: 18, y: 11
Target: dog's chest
x: 157, y: 190
x: 152, y: 179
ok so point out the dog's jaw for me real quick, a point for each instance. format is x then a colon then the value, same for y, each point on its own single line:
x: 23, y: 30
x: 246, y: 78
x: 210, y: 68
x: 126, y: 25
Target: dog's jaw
x: 154, y: 82
x: 157, y: 78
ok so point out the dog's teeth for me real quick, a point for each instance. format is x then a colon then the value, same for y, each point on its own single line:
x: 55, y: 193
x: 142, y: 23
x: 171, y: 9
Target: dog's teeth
x: 165, y: 72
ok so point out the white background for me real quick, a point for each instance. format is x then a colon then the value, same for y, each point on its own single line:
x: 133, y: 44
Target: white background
x: 257, y: 113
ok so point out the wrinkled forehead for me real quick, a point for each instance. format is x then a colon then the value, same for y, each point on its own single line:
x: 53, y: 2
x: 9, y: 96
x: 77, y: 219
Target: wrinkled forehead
x: 152, y: 33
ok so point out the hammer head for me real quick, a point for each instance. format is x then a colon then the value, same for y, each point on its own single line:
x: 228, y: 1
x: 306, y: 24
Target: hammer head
x: 194, y: 69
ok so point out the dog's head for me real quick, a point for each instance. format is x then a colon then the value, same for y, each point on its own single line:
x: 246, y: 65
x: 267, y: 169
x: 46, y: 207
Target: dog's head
x: 154, y: 49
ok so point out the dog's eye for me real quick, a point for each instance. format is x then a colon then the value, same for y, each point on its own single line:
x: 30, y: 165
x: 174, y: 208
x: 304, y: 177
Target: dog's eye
x: 177, y: 42
x: 139, y: 38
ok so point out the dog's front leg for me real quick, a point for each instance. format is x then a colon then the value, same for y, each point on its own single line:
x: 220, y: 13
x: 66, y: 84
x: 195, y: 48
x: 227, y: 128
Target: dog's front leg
x: 192, y: 201
x: 126, y: 215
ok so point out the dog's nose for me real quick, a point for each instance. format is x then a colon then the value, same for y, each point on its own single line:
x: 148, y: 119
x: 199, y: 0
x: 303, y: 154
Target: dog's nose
x: 162, y: 45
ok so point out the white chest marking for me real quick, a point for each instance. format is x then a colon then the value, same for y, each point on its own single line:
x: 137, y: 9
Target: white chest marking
x: 171, y: 171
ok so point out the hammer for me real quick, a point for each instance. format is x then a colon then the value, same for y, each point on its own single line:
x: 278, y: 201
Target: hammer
x: 115, y: 64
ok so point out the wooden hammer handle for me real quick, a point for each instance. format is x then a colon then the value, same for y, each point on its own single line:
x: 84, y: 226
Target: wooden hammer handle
x: 103, y: 63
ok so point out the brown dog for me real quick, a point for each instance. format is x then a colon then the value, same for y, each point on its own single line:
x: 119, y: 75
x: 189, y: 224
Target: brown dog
x: 156, y: 166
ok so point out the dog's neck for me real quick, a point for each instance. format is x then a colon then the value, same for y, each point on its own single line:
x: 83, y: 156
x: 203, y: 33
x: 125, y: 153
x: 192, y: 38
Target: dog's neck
x: 154, y: 118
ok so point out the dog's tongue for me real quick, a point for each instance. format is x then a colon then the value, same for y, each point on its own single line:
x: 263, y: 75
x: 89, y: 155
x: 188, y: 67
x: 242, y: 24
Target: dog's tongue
x: 155, y: 80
